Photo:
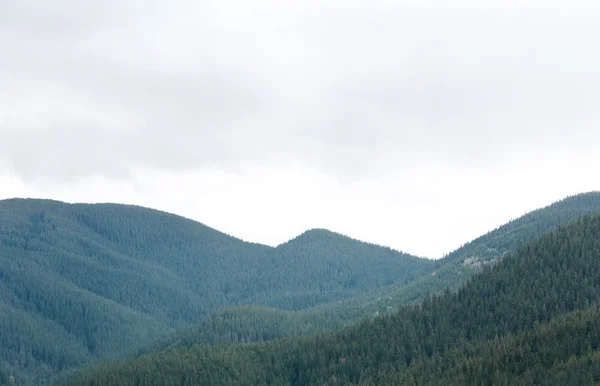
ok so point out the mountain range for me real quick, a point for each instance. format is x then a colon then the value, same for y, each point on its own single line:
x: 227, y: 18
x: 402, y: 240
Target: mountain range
x: 532, y: 318
x: 250, y: 323
x: 81, y: 283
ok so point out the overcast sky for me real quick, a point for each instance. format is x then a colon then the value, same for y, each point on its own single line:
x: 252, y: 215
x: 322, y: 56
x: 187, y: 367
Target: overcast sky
x: 419, y: 127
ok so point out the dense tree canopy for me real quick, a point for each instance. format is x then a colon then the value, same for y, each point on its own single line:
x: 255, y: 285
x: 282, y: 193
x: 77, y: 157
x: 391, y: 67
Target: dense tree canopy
x: 525, y: 306
x: 82, y: 282
x: 257, y: 324
x: 79, y: 282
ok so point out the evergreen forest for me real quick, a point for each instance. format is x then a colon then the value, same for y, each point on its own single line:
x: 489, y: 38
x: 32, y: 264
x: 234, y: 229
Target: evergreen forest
x: 109, y: 294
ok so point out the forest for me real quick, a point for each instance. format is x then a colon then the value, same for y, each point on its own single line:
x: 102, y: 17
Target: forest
x: 82, y: 282
x: 532, y: 317
x: 146, y: 297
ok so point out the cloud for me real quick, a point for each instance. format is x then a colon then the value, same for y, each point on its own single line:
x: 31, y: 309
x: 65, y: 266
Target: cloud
x: 336, y: 86
x: 405, y: 97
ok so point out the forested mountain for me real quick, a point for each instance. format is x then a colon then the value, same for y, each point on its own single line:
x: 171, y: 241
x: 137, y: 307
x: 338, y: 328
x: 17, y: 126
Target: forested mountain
x: 84, y: 281
x: 320, y: 266
x: 458, y: 266
x: 565, y: 351
x: 249, y: 324
x: 511, y: 235
x: 510, y: 311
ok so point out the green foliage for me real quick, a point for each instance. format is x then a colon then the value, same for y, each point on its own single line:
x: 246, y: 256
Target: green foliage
x: 250, y: 324
x: 506, y: 306
x: 565, y: 351
x: 79, y: 282
x: 457, y: 267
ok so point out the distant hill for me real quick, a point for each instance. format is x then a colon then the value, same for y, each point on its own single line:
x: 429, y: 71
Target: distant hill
x: 248, y: 324
x: 83, y: 281
x: 517, y: 322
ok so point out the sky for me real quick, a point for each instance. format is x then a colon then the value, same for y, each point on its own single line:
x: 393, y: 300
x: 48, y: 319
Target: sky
x: 415, y: 125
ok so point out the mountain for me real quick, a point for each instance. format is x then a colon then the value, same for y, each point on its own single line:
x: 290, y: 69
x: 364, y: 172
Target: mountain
x: 565, y: 351
x: 82, y: 281
x: 458, y: 266
x: 522, y: 296
x: 250, y: 324
x: 511, y: 235
x: 351, y: 266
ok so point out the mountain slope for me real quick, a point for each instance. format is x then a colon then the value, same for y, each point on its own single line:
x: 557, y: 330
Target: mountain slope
x: 350, y: 266
x: 458, y: 266
x: 511, y: 235
x: 83, y: 281
x: 565, y: 351
x: 557, y: 274
x: 246, y: 324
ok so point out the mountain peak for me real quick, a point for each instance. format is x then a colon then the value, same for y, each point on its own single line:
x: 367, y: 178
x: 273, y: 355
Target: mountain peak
x: 317, y: 235
x: 319, y: 232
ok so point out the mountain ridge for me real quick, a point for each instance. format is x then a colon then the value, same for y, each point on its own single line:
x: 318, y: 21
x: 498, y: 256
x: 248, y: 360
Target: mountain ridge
x: 256, y: 324
x: 542, y: 283
x: 328, y: 234
x: 311, y: 232
x: 84, y: 281
x: 104, y: 279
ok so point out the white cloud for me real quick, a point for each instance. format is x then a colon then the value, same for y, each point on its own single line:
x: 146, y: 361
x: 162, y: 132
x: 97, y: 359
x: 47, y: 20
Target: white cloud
x: 394, y: 122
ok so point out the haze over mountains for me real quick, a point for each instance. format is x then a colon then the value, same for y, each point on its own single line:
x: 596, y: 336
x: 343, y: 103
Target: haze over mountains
x: 83, y: 282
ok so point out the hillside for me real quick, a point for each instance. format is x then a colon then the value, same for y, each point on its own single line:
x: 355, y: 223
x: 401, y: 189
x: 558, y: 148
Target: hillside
x: 83, y: 281
x: 565, y: 351
x: 537, y: 285
x: 458, y: 266
x: 248, y: 324
x: 321, y: 266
